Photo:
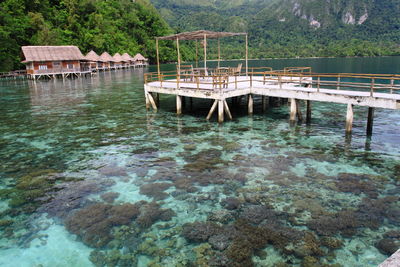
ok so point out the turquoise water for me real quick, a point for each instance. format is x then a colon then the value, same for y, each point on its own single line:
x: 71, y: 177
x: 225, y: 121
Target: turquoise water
x: 89, y: 178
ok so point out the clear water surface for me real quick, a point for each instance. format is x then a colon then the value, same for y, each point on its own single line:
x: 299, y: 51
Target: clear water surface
x: 88, y: 177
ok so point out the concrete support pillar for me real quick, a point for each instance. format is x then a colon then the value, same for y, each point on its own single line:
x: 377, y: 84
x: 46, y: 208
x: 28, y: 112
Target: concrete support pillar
x: 250, y: 108
x: 293, y: 109
x: 308, y: 116
x: 220, y: 111
x: 370, y: 121
x: 349, y: 118
x: 178, y: 105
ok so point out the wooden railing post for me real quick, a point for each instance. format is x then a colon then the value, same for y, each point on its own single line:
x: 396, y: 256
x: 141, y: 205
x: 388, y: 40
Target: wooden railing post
x: 391, y: 86
x: 198, y: 82
x: 251, y: 79
x: 318, y: 83
x: 236, y: 82
x: 338, y: 82
x: 178, y: 77
x: 372, y: 86
x: 280, y: 81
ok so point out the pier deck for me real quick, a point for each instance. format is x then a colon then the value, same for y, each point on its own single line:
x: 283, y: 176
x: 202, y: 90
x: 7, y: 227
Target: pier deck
x: 373, y: 91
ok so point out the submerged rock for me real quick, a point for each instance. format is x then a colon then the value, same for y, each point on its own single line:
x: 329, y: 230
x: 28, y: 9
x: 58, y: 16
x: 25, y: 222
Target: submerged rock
x: 231, y: 203
x: 387, y: 246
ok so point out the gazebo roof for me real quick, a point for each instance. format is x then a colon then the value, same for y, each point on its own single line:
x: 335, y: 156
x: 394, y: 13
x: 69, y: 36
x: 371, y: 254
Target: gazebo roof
x: 198, y: 35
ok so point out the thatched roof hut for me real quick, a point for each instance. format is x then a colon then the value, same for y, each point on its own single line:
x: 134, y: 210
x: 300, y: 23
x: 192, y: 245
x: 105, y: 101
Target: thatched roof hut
x: 126, y: 57
x: 92, y: 56
x: 106, y: 57
x: 139, y: 57
x: 51, y: 53
x: 117, y: 57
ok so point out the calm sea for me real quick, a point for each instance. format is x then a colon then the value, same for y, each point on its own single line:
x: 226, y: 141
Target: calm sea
x: 88, y: 177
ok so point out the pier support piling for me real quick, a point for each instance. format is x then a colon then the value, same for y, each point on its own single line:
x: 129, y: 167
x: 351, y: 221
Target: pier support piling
x: 293, y: 109
x: 146, y: 95
x: 178, y: 105
x: 298, y: 111
x: 308, y: 115
x: 220, y: 111
x: 227, y: 111
x: 349, y: 118
x: 265, y: 101
x: 250, y: 104
x: 213, y: 107
x: 370, y: 122
x: 152, y: 102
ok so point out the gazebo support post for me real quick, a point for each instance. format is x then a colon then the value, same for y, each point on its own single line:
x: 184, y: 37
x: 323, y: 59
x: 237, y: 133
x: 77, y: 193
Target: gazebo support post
x: 197, y: 53
x: 179, y: 56
x: 219, y: 53
x: 247, y: 56
x: 158, y: 60
x: 205, y: 51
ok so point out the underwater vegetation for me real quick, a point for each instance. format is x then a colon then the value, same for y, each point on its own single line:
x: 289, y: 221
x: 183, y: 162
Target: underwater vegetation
x: 94, y: 223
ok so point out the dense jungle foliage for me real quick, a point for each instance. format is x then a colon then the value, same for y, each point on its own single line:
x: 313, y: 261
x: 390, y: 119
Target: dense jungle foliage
x: 112, y: 25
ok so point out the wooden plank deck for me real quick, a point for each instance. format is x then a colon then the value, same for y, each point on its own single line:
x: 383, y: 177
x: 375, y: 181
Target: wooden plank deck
x: 372, y: 91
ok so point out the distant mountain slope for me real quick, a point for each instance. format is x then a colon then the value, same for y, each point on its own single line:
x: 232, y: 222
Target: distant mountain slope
x: 296, y: 27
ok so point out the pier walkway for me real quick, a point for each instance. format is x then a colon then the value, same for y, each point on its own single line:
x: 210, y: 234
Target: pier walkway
x: 294, y: 84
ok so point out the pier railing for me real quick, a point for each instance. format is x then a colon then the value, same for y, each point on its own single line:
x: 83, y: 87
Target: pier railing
x: 294, y: 76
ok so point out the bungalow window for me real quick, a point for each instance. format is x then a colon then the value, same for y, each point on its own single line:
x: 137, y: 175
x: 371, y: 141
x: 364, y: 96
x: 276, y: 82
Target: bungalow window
x: 42, y: 67
x: 56, y: 64
x: 70, y: 66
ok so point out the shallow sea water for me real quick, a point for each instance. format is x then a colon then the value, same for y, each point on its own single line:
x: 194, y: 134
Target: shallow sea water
x: 90, y: 178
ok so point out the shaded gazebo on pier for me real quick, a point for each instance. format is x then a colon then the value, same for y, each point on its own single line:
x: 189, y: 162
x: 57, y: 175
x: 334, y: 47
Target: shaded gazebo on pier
x: 197, y: 36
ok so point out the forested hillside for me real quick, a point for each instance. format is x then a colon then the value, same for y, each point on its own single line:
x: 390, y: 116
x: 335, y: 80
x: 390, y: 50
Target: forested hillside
x: 112, y: 25
x: 295, y: 28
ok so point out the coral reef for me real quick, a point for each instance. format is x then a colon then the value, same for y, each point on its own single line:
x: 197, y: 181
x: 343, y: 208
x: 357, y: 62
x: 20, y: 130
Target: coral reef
x: 200, y: 231
x: 231, y: 203
x: 345, y: 222
x: 357, y: 184
x: 93, y: 223
x: 109, y: 197
x: 151, y: 212
x: 155, y: 190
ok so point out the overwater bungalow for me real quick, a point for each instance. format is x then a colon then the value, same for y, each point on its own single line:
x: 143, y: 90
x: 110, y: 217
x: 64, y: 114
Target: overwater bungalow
x: 128, y: 60
x: 108, y: 61
x: 118, y: 61
x: 94, y: 61
x: 140, y: 61
x: 51, y: 61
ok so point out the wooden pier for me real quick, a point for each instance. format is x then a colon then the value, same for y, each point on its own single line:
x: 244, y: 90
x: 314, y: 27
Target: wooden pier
x: 294, y: 84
